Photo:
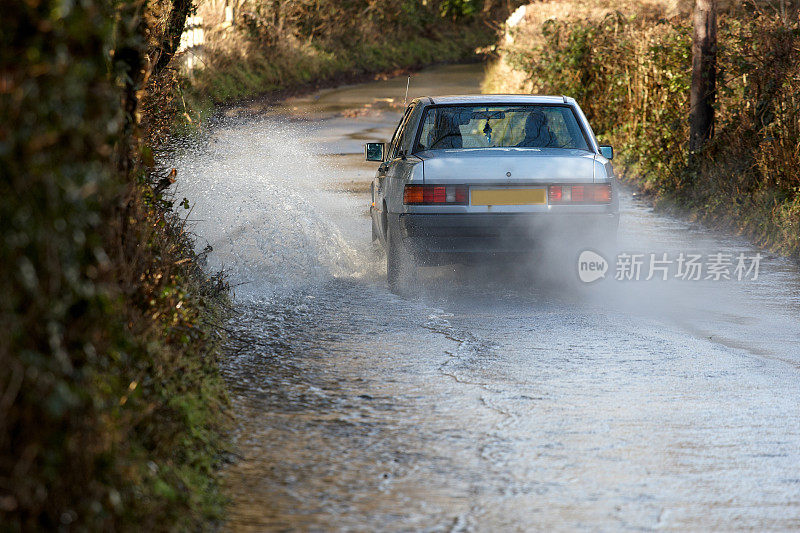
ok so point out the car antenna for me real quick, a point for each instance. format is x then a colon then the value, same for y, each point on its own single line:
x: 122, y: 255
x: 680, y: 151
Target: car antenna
x: 405, y: 100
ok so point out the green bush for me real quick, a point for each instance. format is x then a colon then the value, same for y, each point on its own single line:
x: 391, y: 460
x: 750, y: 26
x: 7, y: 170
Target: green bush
x: 111, y: 405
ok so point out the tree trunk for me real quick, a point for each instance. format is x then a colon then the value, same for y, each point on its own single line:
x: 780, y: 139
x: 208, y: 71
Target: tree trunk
x: 172, y: 36
x: 704, y: 74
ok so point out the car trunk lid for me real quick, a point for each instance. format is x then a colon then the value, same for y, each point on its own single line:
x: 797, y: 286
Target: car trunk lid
x: 507, y: 166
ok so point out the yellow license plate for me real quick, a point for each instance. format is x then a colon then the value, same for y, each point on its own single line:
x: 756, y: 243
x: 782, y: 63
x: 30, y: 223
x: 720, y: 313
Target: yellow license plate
x: 508, y: 196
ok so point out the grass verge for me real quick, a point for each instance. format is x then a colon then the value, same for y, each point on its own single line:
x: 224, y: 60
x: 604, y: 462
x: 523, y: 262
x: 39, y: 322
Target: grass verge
x: 234, y: 69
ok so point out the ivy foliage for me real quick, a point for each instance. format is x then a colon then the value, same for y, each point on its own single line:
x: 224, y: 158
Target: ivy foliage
x: 110, y: 401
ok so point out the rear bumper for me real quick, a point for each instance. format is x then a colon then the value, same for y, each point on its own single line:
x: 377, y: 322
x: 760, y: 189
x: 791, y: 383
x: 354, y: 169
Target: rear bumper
x: 503, y: 233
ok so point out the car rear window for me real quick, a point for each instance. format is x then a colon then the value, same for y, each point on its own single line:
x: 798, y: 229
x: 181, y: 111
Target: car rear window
x: 495, y: 126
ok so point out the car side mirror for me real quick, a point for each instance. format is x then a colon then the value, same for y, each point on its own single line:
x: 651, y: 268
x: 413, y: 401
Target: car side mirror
x: 607, y: 152
x: 375, y: 151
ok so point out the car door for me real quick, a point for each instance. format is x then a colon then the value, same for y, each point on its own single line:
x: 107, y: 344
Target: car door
x: 387, y: 171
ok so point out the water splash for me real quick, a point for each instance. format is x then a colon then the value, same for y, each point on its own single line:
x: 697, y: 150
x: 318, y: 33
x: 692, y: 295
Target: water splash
x: 259, y: 197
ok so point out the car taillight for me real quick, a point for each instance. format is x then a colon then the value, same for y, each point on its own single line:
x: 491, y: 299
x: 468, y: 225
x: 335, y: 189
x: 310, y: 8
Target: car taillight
x: 602, y: 194
x: 579, y: 194
x: 412, y: 195
x: 435, y: 195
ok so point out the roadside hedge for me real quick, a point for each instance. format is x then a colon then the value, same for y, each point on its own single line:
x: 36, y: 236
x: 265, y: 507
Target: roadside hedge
x: 111, y: 405
x: 629, y: 66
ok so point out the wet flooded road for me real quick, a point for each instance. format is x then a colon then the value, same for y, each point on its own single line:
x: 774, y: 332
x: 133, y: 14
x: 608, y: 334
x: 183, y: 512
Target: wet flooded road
x: 486, y: 402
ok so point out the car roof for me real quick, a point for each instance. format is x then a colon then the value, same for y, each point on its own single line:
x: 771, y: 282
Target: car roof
x: 478, y: 99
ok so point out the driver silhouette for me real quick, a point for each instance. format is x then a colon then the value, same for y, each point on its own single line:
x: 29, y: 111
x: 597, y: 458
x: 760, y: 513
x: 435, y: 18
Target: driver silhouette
x: 447, y: 133
x: 537, y: 133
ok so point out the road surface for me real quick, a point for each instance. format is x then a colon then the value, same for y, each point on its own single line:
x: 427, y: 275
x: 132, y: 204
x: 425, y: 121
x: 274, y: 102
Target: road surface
x: 490, y: 400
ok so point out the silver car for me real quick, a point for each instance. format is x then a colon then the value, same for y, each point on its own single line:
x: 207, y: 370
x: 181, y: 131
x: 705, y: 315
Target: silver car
x: 471, y: 176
